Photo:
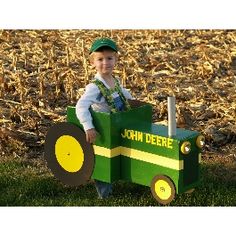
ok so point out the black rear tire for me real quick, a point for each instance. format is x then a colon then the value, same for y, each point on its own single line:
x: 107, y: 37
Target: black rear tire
x: 69, y: 156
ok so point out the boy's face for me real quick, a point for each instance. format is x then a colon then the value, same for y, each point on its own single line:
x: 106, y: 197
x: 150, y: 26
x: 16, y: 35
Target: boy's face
x: 104, y: 62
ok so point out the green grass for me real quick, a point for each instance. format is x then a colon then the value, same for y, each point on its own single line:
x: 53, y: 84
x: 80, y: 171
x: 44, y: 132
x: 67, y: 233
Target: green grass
x: 25, y: 184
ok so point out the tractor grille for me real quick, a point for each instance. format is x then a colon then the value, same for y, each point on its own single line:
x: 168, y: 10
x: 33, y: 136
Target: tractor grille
x: 191, y: 168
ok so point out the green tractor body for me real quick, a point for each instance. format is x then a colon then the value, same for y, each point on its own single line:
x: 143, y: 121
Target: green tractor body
x: 130, y: 147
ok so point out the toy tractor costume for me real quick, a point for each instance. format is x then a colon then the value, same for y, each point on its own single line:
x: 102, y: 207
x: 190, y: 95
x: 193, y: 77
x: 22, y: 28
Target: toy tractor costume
x: 129, y: 147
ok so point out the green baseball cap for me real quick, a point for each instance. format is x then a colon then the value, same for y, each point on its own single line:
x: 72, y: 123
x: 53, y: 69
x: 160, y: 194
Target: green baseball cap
x: 103, y: 42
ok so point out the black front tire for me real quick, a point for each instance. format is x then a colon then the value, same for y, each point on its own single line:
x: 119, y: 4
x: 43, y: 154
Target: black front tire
x: 163, y: 189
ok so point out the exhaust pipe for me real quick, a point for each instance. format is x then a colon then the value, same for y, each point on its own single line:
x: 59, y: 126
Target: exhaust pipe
x: 171, y: 116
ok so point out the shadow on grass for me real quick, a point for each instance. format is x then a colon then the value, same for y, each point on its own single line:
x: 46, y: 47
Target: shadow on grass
x: 21, y: 187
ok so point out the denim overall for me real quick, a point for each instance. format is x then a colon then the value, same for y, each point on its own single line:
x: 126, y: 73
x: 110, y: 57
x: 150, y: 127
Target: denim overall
x: 117, y: 102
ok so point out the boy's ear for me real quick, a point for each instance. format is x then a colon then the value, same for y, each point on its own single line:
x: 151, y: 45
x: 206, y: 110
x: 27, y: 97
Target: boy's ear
x: 117, y: 56
x: 91, y: 61
x: 92, y: 65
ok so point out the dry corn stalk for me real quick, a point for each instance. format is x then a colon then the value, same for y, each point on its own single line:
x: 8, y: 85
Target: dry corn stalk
x: 84, y: 64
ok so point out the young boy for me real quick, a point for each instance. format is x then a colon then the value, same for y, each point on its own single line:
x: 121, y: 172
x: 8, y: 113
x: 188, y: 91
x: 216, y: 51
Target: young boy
x: 104, y: 94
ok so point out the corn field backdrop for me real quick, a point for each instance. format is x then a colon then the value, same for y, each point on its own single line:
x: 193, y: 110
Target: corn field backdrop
x: 44, y: 71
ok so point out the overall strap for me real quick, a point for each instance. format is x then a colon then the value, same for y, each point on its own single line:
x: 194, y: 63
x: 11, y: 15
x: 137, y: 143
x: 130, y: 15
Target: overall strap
x: 123, y: 98
x: 107, y: 94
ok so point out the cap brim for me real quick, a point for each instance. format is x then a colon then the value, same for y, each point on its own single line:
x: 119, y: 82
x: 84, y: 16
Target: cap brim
x: 103, y: 45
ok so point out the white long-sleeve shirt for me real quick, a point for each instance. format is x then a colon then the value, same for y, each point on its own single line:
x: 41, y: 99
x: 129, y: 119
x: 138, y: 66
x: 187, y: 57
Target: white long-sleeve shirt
x: 93, y: 97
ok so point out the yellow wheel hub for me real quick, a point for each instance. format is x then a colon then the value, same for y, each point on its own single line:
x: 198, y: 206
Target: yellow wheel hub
x: 69, y: 153
x: 162, y: 189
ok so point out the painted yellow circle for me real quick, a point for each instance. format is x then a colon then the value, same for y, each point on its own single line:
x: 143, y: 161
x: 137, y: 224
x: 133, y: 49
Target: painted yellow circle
x: 69, y: 153
x: 162, y: 189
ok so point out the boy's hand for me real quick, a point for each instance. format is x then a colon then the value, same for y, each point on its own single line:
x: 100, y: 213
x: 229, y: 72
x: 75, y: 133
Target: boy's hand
x: 91, y: 135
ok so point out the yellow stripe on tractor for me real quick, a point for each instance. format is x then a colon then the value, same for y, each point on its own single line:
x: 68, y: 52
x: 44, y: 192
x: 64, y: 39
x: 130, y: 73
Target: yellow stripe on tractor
x: 139, y: 155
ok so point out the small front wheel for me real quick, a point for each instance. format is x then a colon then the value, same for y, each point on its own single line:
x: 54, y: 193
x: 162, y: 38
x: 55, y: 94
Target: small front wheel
x: 163, y: 189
